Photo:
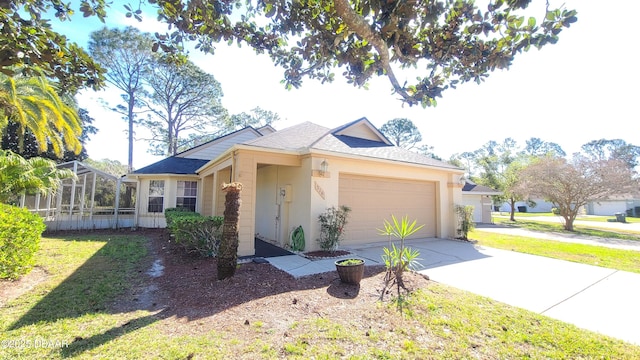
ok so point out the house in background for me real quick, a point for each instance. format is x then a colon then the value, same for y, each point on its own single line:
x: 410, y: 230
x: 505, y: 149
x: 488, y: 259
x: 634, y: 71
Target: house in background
x: 479, y: 197
x: 628, y: 204
x: 541, y: 206
x: 293, y: 175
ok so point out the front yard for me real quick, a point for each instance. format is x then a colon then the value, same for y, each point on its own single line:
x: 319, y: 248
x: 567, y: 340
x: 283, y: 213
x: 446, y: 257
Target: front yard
x: 94, y: 296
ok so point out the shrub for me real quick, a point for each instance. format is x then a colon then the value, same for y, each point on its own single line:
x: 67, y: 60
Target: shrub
x: 172, y: 213
x: 465, y: 220
x: 194, y: 232
x: 20, y: 233
x: 332, y: 223
x: 555, y: 211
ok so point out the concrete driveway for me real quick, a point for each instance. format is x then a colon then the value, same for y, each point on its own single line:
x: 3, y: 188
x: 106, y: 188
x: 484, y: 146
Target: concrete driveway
x: 594, y: 298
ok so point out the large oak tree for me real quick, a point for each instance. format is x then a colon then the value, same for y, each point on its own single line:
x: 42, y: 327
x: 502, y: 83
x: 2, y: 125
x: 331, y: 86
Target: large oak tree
x: 28, y: 44
x: 448, y: 42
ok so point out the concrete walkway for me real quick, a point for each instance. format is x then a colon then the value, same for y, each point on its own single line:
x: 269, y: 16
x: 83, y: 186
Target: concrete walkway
x: 598, y: 299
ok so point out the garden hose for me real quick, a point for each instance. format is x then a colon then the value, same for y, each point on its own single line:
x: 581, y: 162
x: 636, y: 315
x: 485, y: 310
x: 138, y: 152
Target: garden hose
x: 297, y: 239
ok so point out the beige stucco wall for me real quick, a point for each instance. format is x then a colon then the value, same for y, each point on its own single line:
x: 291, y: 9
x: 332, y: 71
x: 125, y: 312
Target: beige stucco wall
x: 448, y: 189
x: 157, y: 220
x: 263, y: 174
x: 293, y: 205
x: 245, y: 170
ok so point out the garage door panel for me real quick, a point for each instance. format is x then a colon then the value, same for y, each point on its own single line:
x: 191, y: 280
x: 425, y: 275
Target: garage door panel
x: 374, y: 199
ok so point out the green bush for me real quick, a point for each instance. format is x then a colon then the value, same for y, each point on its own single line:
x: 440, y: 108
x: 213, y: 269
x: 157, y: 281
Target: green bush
x: 173, y: 213
x: 20, y: 233
x: 332, y: 223
x: 465, y: 220
x: 194, y: 232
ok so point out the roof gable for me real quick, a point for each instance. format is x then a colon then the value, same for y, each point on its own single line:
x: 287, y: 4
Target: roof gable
x: 212, y: 149
x: 361, y: 129
x: 358, y: 138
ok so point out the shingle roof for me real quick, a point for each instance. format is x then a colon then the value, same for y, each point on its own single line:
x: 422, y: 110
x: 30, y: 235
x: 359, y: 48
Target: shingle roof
x: 305, y: 137
x: 470, y: 187
x: 293, y: 138
x: 173, y: 165
x: 309, y: 136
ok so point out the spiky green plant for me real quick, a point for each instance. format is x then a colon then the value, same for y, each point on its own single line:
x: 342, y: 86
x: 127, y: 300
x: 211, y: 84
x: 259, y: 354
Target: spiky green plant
x: 398, y: 260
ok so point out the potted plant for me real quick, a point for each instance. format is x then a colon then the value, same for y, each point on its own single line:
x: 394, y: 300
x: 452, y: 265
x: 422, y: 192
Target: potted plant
x: 350, y: 270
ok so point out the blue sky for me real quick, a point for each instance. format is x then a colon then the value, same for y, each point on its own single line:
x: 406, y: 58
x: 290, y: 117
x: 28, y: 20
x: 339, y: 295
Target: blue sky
x: 581, y: 89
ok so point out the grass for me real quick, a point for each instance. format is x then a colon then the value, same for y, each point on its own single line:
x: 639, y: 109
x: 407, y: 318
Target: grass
x: 587, y: 230
x: 626, y: 260
x: 71, y: 313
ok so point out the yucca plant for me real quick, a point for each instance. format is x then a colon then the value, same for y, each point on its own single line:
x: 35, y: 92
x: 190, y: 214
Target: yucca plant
x: 399, y: 259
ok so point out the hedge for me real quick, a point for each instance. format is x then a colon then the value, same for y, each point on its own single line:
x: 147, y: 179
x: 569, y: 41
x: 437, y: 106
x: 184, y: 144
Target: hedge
x: 194, y: 232
x: 20, y: 233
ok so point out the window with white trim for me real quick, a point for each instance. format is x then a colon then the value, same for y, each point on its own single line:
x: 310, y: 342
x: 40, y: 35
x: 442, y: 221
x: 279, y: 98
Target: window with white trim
x: 156, y: 196
x: 187, y: 193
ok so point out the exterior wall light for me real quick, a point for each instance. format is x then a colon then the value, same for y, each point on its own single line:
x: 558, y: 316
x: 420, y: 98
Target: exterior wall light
x: 324, y: 167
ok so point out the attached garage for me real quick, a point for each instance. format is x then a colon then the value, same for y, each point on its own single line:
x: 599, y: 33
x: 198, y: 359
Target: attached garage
x: 373, y: 199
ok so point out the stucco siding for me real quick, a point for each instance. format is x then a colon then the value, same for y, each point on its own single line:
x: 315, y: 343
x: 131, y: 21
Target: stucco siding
x: 476, y: 202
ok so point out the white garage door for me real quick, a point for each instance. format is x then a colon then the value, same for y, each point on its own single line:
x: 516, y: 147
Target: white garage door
x: 373, y: 199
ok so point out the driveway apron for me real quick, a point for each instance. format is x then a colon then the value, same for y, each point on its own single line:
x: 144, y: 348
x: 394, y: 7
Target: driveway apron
x: 595, y: 298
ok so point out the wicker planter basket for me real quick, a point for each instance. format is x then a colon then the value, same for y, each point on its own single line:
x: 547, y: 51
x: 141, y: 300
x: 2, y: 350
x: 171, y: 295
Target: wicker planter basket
x: 350, y: 273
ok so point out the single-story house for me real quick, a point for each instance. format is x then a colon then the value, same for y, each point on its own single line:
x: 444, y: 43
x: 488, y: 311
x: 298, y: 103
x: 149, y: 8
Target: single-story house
x: 293, y: 175
x: 541, y: 206
x: 479, y: 196
x: 628, y: 204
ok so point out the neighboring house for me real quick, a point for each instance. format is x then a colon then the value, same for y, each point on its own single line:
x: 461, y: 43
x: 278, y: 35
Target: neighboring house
x: 479, y: 197
x: 293, y: 175
x: 541, y: 206
x: 629, y: 204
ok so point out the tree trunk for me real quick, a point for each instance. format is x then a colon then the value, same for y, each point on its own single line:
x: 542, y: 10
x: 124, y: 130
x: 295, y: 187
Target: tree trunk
x: 513, y: 210
x: 131, y: 120
x: 228, y: 251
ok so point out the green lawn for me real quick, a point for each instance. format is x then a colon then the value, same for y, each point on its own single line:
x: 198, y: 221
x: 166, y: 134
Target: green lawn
x: 593, y: 218
x: 72, y: 313
x: 626, y: 260
x: 591, y: 229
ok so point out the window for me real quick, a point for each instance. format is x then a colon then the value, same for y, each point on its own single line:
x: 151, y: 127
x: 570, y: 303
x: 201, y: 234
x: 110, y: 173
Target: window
x: 156, y: 196
x: 187, y: 192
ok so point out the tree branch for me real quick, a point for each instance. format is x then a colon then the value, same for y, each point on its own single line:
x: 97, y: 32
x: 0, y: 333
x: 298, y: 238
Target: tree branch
x: 360, y: 26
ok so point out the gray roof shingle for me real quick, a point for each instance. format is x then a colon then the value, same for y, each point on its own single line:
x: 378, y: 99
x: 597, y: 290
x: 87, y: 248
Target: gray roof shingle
x: 305, y: 137
x: 173, y: 165
x: 470, y: 187
x: 309, y: 136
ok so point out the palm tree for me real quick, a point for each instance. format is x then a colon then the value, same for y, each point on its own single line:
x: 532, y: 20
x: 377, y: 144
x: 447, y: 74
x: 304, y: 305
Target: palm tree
x: 36, y: 175
x: 34, y: 104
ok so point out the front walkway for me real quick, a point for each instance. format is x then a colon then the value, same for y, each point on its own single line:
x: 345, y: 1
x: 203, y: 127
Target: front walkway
x: 595, y: 298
